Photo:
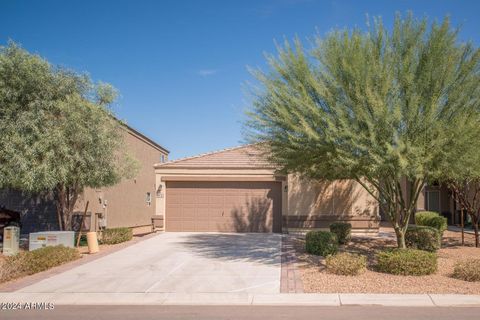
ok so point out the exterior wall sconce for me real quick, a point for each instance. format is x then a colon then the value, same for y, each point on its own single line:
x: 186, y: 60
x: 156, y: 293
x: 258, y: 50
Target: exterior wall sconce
x: 148, y: 199
x: 159, y: 191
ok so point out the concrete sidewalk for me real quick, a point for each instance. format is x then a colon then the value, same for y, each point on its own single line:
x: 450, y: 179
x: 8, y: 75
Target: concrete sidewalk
x: 459, y: 229
x: 285, y: 299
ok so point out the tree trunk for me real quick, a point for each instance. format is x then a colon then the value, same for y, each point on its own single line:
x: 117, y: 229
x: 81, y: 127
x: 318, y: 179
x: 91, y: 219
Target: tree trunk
x: 467, y: 199
x: 397, y: 200
x: 59, y: 218
x: 400, y: 233
x: 65, y: 197
x: 60, y: 205
x: 475, y: 229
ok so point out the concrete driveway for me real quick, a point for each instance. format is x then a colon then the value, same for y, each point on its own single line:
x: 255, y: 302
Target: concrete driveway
x: 179, y: 263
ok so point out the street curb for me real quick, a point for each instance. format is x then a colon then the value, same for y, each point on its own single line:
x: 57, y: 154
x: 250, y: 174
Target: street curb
x: 225, y: 299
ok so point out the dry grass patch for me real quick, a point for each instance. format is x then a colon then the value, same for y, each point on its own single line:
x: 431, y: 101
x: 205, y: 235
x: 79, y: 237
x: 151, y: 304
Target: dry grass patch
x: 346, y: 264
x: 31, y: 262
x: 468, y: 270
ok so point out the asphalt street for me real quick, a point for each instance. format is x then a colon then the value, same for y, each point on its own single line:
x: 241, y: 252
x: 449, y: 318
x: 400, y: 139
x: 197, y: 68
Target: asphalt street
x: 243, y: 312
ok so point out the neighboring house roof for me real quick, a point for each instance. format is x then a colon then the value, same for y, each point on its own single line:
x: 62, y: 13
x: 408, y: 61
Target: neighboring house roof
x: 143, y: 137
x: 246, y: 156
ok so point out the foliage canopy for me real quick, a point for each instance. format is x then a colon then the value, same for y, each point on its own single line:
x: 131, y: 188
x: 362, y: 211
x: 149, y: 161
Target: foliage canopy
x: 388, y: 109
x: 57, y: 131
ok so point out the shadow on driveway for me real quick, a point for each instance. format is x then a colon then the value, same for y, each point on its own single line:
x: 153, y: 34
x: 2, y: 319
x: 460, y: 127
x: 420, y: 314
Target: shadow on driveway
x: 252, y: 247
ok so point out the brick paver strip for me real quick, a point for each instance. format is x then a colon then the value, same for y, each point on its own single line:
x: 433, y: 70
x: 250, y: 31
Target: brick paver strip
x: 18, y: 284
x: 290, y: 280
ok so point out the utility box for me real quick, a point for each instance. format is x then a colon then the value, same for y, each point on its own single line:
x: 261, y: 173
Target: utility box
x: 11, y: 240
x: 39, y: 240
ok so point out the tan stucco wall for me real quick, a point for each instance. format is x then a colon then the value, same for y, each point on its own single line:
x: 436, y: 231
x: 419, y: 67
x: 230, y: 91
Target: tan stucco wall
x: 316, y: 204
x: 304, y: 203
x: 126, y: 201
x: 421, y: 201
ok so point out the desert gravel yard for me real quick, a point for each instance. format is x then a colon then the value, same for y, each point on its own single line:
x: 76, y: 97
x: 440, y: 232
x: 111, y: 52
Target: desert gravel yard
x: 316, y: 279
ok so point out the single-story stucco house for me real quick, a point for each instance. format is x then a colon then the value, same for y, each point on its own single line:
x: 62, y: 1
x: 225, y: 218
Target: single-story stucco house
x: 236, y: 190
x: 231, y: 190
x: 130, y: 203
x: 439, y: 198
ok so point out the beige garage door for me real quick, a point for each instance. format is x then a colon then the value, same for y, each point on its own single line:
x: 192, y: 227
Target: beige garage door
x: 224, y: 206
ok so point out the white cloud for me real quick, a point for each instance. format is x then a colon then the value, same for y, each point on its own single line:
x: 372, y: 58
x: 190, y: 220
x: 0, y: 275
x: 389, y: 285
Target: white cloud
x: 207, y: 72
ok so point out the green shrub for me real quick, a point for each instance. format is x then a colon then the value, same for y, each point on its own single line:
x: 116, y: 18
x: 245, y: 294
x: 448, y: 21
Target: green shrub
x: 468, y: 270
x: 322, y: 243
x: 423, y: 238
x: 342, y: 230
x: 431, y: 219
x: 346, y: 264
x: 407, y: 262
x: 48, y: 257
x: 30, y: 262
x: 83, y: 240
x: 116, y: 235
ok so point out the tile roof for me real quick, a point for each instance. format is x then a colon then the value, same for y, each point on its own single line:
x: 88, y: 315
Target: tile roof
x: 245, y: 156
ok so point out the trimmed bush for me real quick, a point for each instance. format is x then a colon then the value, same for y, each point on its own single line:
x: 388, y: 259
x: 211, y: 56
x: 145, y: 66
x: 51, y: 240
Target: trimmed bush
x: 346, y: 264
x: 116, y: 235
x: 423, y: 238
x: 342, y: 230
x: 30, y: 262
x: 467, y: 270
x: 407, y: 262
x: 83, y: 240
x: 48, y: 257
x: 431, y: 219
x: 322, y: 243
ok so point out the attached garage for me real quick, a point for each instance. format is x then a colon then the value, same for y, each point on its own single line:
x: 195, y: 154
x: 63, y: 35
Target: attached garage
x: 237, y: 190
x: 224, y: 206
x: 233, y: 190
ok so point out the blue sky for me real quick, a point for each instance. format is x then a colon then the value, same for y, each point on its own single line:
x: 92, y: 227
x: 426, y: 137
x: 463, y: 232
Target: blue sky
x: 181, y: 66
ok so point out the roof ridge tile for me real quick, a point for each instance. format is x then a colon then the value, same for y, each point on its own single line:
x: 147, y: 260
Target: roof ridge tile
x: 204, y: 154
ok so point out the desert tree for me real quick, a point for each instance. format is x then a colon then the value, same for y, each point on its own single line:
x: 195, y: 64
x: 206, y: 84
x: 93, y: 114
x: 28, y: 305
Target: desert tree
x: 58, y: 133
x: 461, y: 173
x: 381, y: 107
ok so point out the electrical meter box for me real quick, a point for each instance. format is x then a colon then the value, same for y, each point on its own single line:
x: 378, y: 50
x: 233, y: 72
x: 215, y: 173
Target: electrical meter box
x: 11, y: 240
x: 39, y: 240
